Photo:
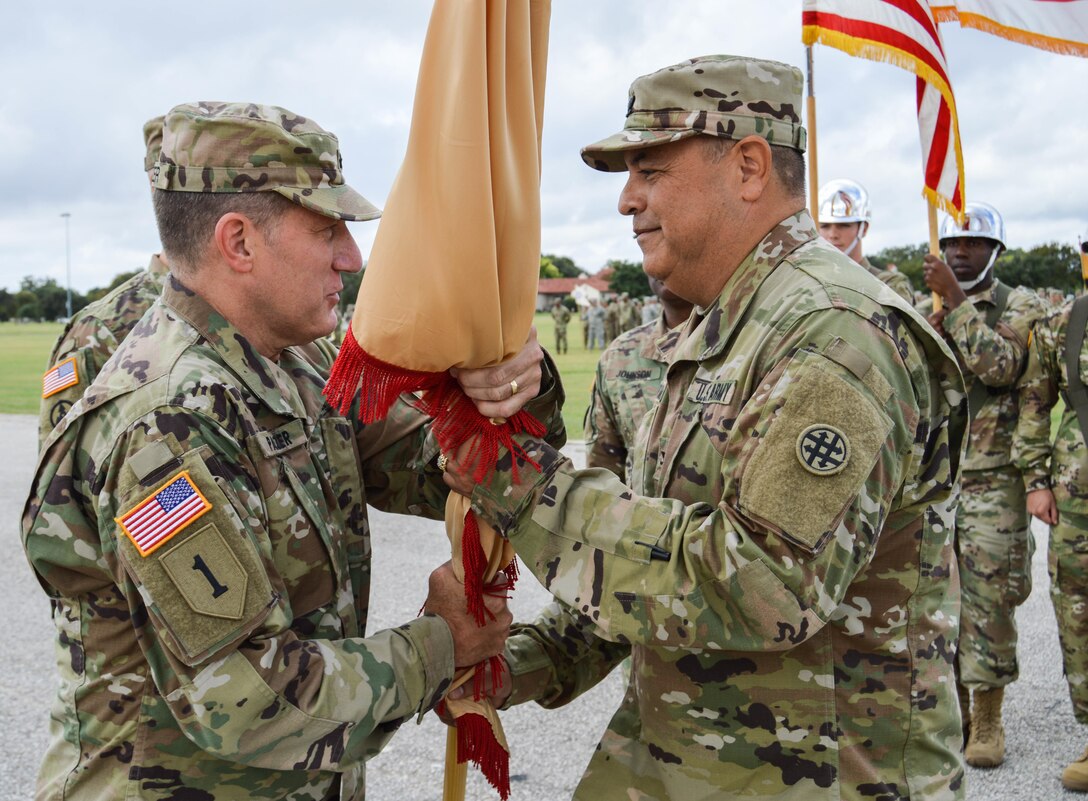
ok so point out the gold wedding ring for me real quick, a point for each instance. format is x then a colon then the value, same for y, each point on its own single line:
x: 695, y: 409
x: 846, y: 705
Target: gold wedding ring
x: 513, y: 388
x: 443, y: 460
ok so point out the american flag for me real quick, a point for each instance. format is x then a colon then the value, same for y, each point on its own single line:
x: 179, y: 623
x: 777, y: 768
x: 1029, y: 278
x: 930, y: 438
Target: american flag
x: 1060, y: 26
x: 159, y: 517
x: 60, y: 376
x: 904, y: 33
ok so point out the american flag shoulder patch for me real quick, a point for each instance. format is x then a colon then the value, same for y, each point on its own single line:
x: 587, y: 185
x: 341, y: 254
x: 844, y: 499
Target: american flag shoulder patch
x: 163, y: 513
x: 60, y: 376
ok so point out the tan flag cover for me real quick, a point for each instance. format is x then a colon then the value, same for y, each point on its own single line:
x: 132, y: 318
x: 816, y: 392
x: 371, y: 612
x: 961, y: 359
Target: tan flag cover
x: 452, y: 276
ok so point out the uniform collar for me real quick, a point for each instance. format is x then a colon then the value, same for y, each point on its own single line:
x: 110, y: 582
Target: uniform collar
x: 709, y: 330
x: 157, y: 267
x: 263, y: 377
x: 660, y: 342
x: 987, y: 295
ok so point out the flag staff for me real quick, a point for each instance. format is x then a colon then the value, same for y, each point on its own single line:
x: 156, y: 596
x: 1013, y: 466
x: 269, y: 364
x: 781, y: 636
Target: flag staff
x: 1083, y: 263
x: 934, y: 245
x: 810, y: 107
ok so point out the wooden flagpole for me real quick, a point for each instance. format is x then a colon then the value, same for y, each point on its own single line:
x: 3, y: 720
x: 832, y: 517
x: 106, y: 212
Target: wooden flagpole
x: 1083, y: 264
x: 934, y: 245
x: 455, y: 778
x: 813, y: 180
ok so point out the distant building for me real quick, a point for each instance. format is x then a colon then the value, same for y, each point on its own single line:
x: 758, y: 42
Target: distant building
x: 552, y: 289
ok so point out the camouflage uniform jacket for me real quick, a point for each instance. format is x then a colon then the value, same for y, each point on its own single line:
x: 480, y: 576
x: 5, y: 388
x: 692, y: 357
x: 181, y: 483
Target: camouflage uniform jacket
x: 561, y: 317
x: 1063, y: 466
x: 231, y: 662
x: 629, y: 377
x: 792, y: 628
x: 93, y: 334
x: 893, y: 278
x: 996, y: 357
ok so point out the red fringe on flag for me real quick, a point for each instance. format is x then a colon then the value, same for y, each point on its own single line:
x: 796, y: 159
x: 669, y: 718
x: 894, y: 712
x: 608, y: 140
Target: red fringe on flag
x: 476, y: 744
x: 456, y: 421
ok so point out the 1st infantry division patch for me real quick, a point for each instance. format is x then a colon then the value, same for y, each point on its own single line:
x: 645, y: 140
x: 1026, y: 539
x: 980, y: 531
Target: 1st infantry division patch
x: 161, y: 515
x: 60, y: 376
x: 823, y: 450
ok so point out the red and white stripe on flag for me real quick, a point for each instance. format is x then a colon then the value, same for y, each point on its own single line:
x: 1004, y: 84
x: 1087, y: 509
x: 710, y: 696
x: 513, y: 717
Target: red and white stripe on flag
x: 904, y: 33
x: 164, y: 513
x: 60, y: 376
x: 1060, y: 26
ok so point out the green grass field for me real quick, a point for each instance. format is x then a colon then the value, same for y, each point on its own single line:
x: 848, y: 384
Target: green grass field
x: 26, y: 347
x: 575, y: 368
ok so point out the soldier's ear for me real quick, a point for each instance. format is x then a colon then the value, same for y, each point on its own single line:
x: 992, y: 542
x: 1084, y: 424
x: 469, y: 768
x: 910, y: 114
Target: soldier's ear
x: 234, y: 235
x: 754, y: 159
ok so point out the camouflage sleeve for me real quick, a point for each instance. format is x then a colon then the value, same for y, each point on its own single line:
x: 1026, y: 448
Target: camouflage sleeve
x: 901, y: 285
x: 213, y: 610
x: 760, y: 568
x: 1037, y: 396
x: 90, y: 343
x: 995, y: 355
x: 604, y: 441
x: 557, y: 657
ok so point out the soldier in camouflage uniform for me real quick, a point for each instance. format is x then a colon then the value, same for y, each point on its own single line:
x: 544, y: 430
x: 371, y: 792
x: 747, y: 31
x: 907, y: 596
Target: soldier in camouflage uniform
x: 611, y: 320
x: 198, y: 519
x: 94, y: 332
x: 987, y: 324
x: 628, y: 380
x: 782, y: 566
x: 595, y: 325
x: 1056, y: 480
x: 561, y: 315
x: 845, y: 216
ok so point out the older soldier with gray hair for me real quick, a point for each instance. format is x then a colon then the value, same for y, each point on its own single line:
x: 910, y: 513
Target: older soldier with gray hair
x: 198, y: 520
x: 781, y: 567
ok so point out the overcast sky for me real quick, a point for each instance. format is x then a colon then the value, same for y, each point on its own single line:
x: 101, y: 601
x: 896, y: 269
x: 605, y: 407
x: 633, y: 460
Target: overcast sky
x: 79, y: 80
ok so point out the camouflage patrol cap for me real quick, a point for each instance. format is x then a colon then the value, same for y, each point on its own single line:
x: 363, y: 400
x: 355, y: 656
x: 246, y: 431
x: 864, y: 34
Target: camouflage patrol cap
x: 152, y: 142
x: 245, y: 147
x: 726, y: 96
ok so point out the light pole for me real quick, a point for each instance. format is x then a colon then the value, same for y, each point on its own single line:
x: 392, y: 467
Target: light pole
x: 68, y: 262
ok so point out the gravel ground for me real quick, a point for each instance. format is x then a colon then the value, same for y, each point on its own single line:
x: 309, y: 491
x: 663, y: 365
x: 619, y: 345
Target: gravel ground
x: 549, y: 749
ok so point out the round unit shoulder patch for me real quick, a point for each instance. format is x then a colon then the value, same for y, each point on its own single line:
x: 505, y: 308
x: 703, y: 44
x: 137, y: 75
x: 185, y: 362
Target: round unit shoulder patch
x: 823, y: 450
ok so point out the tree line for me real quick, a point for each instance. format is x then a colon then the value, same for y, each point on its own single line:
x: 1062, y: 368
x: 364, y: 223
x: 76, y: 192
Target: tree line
x: 1048, y: 266
x: 45, y: 299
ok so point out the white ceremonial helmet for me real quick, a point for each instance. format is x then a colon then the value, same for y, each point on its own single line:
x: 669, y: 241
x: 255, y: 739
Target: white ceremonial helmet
x: 844, y: 201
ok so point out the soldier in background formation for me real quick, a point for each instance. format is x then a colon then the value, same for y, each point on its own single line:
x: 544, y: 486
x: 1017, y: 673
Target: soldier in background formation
x: 651, y: 309
x: 611, y: 319
x: 987, y: 325
x: 595, y: 325
x: 781, y: 566
x: 628, y: 381
x: 1056, y: 480
x: 845, y: 217
x: 199, y: 521
x: 95, y: 331
x: 561, y: 316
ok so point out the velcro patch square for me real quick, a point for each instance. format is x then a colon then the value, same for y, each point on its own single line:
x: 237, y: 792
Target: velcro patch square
x: 161, y: 515
x: 60, y: 376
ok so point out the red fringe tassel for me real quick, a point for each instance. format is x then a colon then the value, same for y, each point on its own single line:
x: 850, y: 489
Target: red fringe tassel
x: 476, y: 744
x: 456, y: 421
x: 384, y: 382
